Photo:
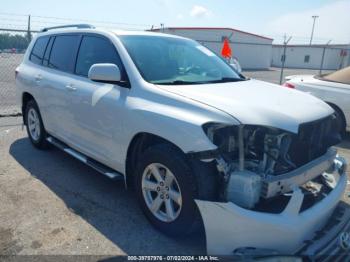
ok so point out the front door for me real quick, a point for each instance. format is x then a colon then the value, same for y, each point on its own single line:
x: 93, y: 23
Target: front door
x: 97, y: 108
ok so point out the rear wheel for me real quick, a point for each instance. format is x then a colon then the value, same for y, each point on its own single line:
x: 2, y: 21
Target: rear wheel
x: 35, y: 127
x: 166, y: 190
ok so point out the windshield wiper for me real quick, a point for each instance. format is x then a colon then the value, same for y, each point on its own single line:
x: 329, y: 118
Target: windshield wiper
x: 227, y: 79
x: 178, y: 82
x: 222, y: 80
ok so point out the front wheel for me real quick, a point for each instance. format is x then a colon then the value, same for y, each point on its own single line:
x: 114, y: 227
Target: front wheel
x: 166, y: 189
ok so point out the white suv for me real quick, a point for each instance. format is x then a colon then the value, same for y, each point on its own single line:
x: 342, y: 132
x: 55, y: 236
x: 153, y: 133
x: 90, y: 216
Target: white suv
x: 198, y: 142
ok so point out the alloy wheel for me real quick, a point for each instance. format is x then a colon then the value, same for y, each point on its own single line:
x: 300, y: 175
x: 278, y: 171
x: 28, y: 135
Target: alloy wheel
x: 161, y: 192
x: 34, y: 124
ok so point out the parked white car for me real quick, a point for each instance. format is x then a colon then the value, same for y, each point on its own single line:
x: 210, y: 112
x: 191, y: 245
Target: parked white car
x: 333, y: 88
x: 193, y: 139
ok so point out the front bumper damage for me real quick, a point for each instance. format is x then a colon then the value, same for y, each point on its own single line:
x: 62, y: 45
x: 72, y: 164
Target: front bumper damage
x: 233, y: 230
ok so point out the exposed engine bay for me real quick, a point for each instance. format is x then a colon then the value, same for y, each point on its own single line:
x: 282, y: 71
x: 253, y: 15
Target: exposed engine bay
x: 259, y: 163
x: 275, y: 184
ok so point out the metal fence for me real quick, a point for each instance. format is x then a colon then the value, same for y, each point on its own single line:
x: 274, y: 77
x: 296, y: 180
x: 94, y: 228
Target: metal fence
x: 9, y: 60
x: 318, y: 57
x: 13, y: 43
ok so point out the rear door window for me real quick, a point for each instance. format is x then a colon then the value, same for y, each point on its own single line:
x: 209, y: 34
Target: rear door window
x: 93, y: 50
x: 38, y: 50
x: 63, y: 52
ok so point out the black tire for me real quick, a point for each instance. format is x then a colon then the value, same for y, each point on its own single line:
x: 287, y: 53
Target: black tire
x: 188, y: 219
x: 40, y: 142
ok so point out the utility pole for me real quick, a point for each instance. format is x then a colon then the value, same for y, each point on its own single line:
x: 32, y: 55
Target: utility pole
x: 313, y: 27
x: 322, y: 59
x: 29, y: 36
x: 285, y: 42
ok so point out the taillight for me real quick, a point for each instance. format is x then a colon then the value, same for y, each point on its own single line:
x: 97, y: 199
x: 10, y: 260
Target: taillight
x: 289, y: 85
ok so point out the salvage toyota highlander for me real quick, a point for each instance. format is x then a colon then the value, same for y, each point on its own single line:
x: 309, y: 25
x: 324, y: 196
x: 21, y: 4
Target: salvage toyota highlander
x: 198, y: 142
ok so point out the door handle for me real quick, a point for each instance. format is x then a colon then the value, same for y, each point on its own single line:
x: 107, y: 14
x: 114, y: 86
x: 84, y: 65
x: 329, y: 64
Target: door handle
x: 71, y: 87
x: 38, y: 78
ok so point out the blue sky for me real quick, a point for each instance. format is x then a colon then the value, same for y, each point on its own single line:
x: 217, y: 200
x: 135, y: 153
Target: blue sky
x: 268, y: 17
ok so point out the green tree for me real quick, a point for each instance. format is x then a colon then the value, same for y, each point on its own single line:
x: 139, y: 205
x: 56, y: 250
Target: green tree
x: 9, y: 41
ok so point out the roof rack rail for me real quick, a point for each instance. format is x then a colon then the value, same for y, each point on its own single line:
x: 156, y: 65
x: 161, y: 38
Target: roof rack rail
x: 80, y: 26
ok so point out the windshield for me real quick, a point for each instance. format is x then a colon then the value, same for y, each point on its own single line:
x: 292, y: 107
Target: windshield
x: 169, y: 60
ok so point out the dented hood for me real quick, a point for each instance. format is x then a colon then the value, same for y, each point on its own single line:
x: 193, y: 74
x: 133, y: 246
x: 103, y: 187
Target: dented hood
x: 256, y: 102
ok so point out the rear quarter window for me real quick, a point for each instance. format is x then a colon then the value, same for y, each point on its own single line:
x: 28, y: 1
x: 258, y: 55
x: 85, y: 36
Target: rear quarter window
x: 37, y: 54
x: 63, y: 52
x: 48, y: 51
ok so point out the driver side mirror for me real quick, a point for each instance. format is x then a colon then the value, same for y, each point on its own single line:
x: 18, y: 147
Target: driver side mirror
x: 105, y: 73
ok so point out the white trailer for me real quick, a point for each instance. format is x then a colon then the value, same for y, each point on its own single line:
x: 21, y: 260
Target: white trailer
x: 310, y: 56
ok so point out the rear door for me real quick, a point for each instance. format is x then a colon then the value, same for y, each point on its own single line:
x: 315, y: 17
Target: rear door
x: 98, y: 108
x: 60, y: 62
x: 32, y: 73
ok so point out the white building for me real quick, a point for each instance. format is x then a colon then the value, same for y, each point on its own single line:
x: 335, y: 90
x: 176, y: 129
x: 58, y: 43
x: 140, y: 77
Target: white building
x: 252, y: 51
x: 310, y: 56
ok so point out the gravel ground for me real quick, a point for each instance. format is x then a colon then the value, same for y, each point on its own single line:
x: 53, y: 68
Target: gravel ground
x: 53, y: 204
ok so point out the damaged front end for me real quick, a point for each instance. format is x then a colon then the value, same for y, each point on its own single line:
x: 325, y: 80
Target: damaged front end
x: 276, y: 188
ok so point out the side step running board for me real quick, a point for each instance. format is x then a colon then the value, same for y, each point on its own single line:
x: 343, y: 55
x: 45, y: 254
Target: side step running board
x: 108, y: 172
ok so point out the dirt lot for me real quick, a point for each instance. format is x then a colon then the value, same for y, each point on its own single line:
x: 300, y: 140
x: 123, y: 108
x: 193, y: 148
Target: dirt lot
x: 51, y: 203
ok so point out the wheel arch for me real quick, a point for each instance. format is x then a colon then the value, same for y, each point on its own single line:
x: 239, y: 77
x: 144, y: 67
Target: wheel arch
x: 338, y: 109
x: 205, y: 173
x: 138, y: 144
x: 26, y: 97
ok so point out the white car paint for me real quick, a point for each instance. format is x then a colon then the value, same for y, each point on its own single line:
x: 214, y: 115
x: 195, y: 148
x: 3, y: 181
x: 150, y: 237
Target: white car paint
x: 330, y: 92
x: 100, y: 120
x: 255, y: 102
x: 90, y: 128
